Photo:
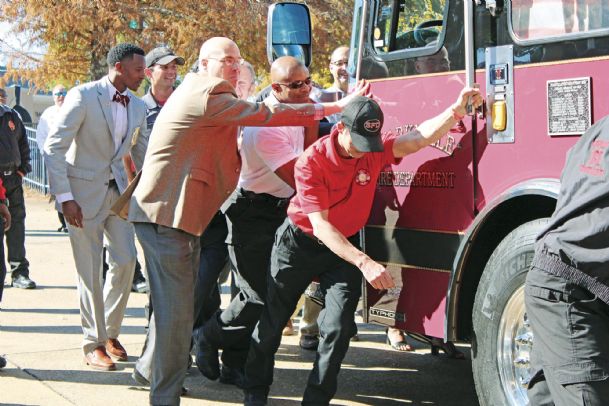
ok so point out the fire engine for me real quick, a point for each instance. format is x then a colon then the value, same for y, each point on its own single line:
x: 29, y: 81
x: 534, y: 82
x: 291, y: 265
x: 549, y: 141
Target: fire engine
x: 456, y: 223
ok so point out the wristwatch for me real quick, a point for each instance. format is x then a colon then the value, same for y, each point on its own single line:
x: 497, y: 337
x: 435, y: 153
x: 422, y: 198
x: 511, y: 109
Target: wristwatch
x: 4, y: 202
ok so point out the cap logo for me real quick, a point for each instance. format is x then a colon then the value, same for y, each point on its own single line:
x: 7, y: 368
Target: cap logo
x: 372, y: 125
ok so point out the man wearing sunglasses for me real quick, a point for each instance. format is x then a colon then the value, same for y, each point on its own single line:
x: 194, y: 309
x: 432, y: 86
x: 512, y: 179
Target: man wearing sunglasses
x: 253, y: 213
x: 192, y: 165
x: 47, y: 120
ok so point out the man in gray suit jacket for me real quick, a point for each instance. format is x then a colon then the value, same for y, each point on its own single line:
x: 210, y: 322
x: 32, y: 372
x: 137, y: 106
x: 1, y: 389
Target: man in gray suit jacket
x: 84, y: 155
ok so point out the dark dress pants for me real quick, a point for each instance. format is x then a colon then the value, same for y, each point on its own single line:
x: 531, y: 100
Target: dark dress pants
x: 570, y: 354
x: 2, y: 262
x: 252, y: 223
x: 296, y: 260
x: 213, y: 258
x: 15, y: 236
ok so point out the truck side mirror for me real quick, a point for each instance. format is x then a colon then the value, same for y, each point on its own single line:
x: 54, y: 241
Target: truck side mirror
x: 289, y: 32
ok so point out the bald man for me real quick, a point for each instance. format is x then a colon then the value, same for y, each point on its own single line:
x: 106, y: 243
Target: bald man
x: 253, y: 213
x: 190, y: 168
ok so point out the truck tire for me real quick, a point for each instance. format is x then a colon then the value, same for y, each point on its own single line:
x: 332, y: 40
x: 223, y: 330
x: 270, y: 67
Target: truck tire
x: 502, y: 335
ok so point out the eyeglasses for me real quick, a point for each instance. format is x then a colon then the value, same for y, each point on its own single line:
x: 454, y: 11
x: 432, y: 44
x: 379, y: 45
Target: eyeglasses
x: 229, y: 61
x: 297, y: 84
x: 60, y: 94
x: 340, y: 63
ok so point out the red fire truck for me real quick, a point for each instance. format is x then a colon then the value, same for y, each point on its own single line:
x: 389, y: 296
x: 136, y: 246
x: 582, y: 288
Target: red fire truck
x: 456, y: 223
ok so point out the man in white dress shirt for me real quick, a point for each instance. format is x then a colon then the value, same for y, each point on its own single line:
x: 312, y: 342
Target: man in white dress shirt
x: 47, y: 120
x: 253, y: 214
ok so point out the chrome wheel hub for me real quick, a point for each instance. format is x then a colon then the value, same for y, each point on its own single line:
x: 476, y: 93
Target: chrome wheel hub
x: 514, y: 343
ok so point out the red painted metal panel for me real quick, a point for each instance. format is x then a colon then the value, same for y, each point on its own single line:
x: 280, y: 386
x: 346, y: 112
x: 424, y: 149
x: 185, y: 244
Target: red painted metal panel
x: 433, y: 190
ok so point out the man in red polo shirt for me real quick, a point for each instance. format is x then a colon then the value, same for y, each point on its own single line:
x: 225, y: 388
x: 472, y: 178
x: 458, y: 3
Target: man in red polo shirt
x: 335, y: 184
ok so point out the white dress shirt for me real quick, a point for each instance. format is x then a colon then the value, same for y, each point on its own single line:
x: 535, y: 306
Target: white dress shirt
x: 263, y: 151
x: 119, y: 115
x: 46, y: 122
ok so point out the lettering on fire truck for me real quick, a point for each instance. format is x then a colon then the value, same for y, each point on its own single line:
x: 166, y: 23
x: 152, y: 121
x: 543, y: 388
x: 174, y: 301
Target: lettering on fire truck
x: 387, y: 314
x: 434, y: 179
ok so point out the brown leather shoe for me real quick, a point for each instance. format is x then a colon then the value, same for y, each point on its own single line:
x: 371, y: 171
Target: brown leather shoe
x: 116, y: 350
x: 99, y: 359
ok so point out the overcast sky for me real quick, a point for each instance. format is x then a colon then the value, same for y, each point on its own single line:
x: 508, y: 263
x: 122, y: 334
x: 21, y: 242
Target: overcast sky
x: 14, y: 42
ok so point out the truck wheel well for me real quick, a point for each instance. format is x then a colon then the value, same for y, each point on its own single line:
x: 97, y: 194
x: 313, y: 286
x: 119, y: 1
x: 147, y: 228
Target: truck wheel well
x: 499, y: 223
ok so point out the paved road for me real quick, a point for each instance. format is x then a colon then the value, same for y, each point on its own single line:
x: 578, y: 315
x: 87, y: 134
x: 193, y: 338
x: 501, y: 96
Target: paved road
x: 40, y: 336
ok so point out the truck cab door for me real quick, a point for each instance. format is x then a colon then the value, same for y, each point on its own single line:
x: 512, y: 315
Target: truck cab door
x: 415, y: 56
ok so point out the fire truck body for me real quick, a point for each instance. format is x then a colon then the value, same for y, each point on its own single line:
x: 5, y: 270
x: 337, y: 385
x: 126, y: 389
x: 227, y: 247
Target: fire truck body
x: 456, y: 222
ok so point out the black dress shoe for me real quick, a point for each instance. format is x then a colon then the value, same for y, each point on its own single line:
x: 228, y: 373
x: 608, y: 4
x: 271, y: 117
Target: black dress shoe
x: 232, y: 376
x: 2, y: 362
x: 207, y: 359
x: 23, y: 282
x: 308, y: 342
x: 254, y: 399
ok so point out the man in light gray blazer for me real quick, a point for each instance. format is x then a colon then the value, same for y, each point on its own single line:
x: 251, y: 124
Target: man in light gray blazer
x: 84, y: 155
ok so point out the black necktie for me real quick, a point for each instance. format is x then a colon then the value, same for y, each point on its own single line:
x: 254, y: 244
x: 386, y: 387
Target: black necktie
x: 122, y: 99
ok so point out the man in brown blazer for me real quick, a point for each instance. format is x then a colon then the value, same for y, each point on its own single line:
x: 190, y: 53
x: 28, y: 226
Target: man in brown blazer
x: 191, y: 166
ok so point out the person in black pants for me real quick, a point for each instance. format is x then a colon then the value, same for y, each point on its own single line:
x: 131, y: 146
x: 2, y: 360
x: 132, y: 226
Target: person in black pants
x: 335, y: 183
x: 14, y: 164
x: 567, y: 287
x: 5, y: 224
x: 253, y: 213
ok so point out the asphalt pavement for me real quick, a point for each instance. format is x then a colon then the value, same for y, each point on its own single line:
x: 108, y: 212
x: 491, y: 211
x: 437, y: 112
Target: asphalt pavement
x: 40, y: 336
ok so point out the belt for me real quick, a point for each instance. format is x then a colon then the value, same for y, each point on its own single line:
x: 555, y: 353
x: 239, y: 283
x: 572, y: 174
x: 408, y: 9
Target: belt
x: 552, y: 263
x: 265, y: 198
x: 545, y: 259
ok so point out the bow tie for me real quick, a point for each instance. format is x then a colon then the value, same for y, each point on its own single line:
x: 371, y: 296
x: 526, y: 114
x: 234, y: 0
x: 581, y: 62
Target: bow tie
x: 119, y: 98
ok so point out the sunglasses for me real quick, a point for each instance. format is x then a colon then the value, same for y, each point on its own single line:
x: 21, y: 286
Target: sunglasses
x: 297, y: 84
x: 60, y: 94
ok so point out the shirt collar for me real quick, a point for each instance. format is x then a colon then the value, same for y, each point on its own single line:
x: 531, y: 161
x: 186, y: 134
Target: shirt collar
x: 273, y: 100
x: 333, y: 154
x: 113, y: 89
x: 150, y: 101
x: 336, y: 89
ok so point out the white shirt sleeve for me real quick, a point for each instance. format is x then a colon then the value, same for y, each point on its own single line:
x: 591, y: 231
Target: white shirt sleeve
x: 42, y: 131
x: 277, y: 146
x: 64, y: 197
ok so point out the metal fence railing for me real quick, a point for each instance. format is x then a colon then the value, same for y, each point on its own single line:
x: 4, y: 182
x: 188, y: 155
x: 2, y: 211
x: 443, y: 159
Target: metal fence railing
x: 37, y: 179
